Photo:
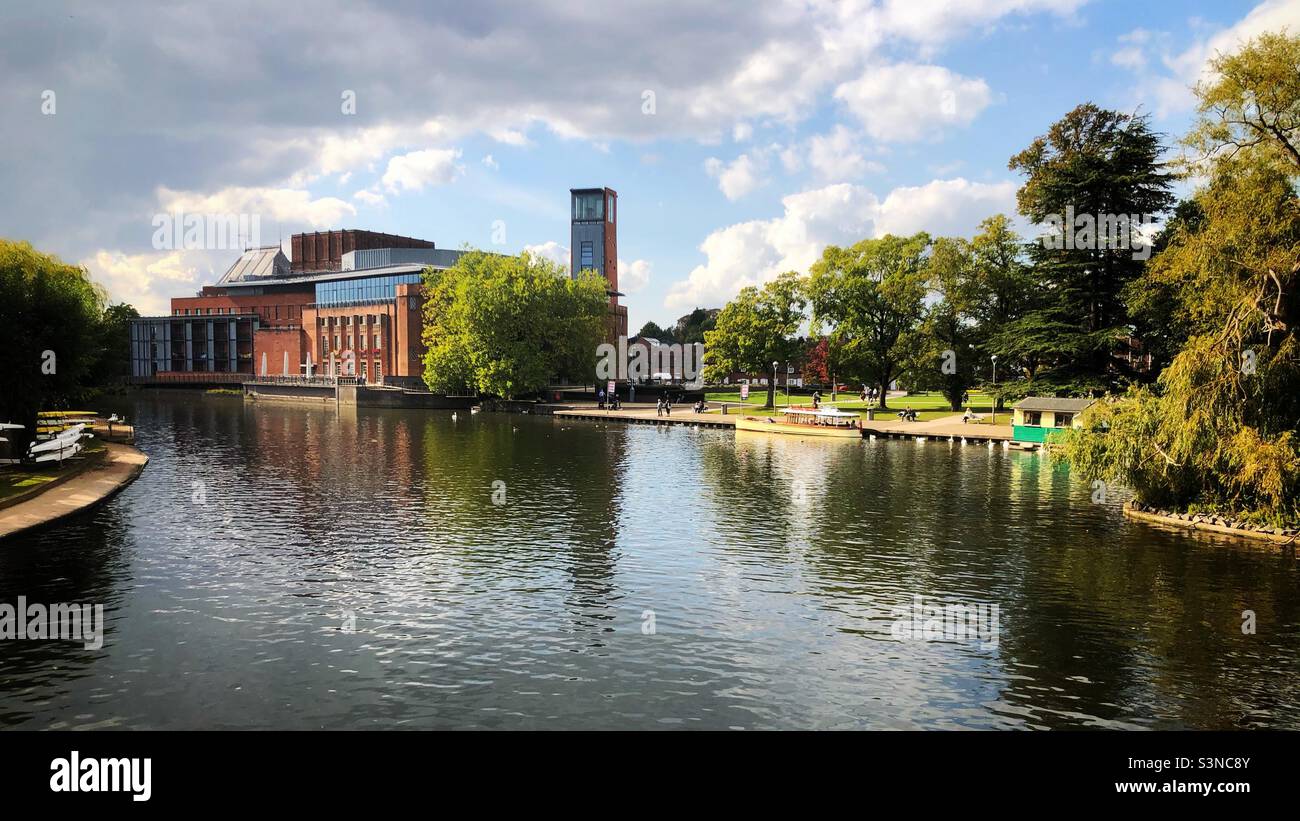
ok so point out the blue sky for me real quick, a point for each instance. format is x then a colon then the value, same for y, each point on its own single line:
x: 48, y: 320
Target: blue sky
x: 777, y: 128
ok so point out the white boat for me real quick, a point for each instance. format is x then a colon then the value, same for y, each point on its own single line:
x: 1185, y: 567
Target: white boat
x: 62, y: 440
x: 59, y: 455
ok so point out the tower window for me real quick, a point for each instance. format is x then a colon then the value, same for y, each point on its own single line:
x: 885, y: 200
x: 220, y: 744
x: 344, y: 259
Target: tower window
x: 587, y: 261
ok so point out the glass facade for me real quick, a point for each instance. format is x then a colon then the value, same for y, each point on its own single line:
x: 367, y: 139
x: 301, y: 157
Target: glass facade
x: 345, y: 291
x: 589, y: 206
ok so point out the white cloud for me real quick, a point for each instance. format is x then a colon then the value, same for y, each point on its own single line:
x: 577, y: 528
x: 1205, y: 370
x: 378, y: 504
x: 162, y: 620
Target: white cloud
x: 913, y: 102
x: 750, y: 253
x: 1132, y: 55
x: 944, y: 207
x: 737, y: 178
x: 838, y: 156
x: 146, y: 281
x: 490, y: 162
x: 413, y: 171
x: 633, y: 276
x: 551, y: 250
x: 371, y: 198
x: 1171, y: 90
x: 753, y: 252
x: 742, y: 132
x: 934, y: 22
x: 289, y: 205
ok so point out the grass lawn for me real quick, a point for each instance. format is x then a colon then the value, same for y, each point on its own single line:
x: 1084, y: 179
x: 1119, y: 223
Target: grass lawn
x: 929, y: 406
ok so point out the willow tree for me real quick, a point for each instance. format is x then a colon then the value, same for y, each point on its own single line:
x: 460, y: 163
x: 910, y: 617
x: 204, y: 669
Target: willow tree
x: 1218, y: 429
x: 508, y: 325
x: 50, y: 319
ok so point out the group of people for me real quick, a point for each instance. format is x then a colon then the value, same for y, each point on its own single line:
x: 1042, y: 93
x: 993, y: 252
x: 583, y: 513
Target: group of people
x: 869, y: 394
x: 907, y: 414
x: 664, y: 406
x: 612, y: 399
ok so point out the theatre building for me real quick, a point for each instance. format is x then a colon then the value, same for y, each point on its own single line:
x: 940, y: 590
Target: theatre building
x: 358, y: 315
x: 349, y: 303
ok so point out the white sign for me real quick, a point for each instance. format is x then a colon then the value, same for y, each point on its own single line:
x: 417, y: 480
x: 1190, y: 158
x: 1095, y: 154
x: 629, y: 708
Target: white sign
x: 610, y: 387
x: 744, y: 391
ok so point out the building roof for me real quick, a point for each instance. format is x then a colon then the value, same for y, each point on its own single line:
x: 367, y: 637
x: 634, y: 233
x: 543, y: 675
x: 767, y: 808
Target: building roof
x: 1053, y: 403
x: 268, y: 262
x: 360, y: 273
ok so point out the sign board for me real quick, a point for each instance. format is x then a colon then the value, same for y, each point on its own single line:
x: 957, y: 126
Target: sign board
x: 610, y: 387
x: 744, y: 391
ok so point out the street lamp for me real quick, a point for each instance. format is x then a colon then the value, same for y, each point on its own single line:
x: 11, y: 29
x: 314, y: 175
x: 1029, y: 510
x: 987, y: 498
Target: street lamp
x: 994, y: 398
x: 787, y: 384
x: 774, y: 367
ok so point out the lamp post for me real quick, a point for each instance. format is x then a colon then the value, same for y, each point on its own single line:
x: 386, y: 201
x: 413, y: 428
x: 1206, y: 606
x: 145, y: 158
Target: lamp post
x: 774, y: 367
x: 787, y: 384
x: 994, y: 398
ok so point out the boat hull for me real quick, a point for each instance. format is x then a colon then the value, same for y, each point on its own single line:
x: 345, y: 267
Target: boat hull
x: 820, y: 431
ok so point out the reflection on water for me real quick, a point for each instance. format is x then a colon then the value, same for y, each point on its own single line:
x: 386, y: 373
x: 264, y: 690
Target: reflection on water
x: 294, y: 566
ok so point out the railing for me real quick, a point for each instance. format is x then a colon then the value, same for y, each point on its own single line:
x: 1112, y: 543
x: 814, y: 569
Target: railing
x: 190, y: 377
x: 300, y: 381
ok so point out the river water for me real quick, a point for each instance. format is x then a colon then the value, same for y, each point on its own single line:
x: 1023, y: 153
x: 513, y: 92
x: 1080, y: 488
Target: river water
x: 298, y: 567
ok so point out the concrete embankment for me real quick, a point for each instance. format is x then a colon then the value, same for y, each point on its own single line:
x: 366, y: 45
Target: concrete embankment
x: 83, y: 491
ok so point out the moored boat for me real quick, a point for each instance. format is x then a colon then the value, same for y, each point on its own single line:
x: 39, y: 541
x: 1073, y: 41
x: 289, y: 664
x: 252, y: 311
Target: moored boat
x: 806, y: 421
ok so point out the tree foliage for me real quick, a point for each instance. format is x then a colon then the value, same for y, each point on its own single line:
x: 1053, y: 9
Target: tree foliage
x: 51, y: 333
x: 755, y: 329
x: 1092, y: 164
x: 1218, y: 429
x: 509, y: 325
x: 871, y: 295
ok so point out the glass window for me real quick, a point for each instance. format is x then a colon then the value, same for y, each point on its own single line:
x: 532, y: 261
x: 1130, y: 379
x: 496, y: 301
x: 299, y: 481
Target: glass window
x: 1064, y: 420
x: 588, y: 206
x: 1033, y: 418
x: 587, y: 260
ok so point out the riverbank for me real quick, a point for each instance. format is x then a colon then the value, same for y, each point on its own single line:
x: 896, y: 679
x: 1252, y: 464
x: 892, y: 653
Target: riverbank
x: 947, y: 427
x: 1211, y: 524
x: 95, y: 484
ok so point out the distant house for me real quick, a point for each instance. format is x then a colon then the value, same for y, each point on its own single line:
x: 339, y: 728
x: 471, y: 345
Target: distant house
x: 1034, y: 418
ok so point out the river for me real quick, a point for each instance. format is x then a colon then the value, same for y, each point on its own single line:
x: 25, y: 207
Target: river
x: 283, y: 566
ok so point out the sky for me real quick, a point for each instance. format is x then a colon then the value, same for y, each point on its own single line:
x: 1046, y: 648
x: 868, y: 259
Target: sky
x: 741, y: 137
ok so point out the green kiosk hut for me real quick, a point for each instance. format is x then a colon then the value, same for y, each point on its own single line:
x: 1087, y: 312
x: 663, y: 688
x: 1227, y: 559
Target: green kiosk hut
x: 1034, y: 418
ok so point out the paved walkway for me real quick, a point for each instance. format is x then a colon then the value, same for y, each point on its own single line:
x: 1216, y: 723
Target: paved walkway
x: 86, y: 490
x: 645, y: 412
x: 942, y: 427
x: 887, y: 423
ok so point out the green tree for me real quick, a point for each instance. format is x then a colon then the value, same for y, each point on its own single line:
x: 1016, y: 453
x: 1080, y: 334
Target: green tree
x: 651, y: 330
x: 760, y: 326
x: 1093, y: 166
x: 871, y: 295
x: 113, y: 360
x: 508, y: 325
x: 1217, y: 431
x: 50, y: 316
x: 692, y: 327
x: 946, y: 344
